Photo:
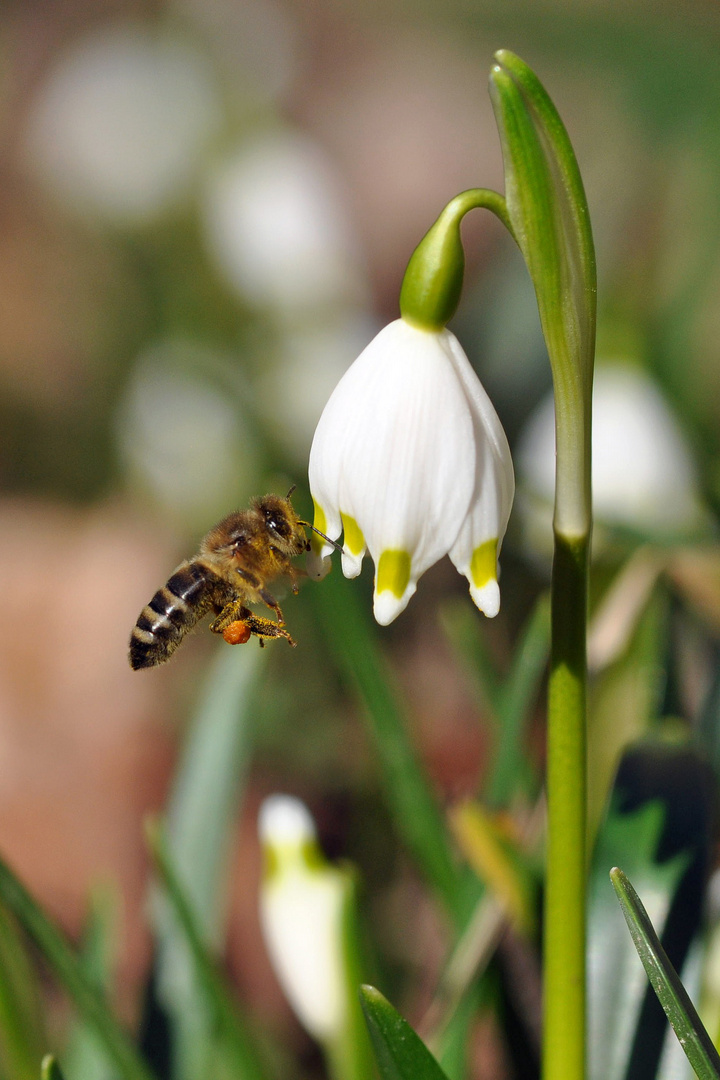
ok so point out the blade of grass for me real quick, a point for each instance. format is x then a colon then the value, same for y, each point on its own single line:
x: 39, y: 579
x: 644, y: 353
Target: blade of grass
x: 66, y: 967
x: 225, y: 1014
x: 510, y: 764
x: 671, y: 993
x: 22, y: 1039
x: 463, y: 630
x: 616, y: 983
x: 202, y: 812
x: 206, y: 792
x: 507, y: 702
x: 50, y: 1070
x: 84, y: 1055
x: 399, y: 1051
x: 416, y: 812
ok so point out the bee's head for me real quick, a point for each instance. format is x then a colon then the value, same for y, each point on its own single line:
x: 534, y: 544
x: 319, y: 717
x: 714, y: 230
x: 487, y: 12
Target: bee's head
x: 282, y: 523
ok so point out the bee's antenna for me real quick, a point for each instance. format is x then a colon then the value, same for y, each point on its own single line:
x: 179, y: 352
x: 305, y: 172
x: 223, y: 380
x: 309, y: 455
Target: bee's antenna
x: 338, y: 547
x: 291, y: 491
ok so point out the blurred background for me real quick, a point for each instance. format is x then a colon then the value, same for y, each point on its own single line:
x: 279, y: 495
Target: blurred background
x: 206, y: 208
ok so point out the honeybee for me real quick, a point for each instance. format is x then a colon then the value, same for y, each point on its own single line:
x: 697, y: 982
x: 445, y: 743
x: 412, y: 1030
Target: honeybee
x: 236, y: 561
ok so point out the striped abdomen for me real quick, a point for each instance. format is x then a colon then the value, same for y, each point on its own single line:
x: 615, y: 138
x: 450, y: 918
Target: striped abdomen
x: 173, y: 611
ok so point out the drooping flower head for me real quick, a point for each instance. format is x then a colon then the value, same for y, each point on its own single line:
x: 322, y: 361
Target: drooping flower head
x: 409, y: 458
x: 301, y: 904
x: 309, y: 922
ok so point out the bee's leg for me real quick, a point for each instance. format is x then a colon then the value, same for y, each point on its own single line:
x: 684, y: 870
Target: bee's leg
x: 234, y: 611
x: 265, y: 628
x: 269, y: 600
x: 294, y: 573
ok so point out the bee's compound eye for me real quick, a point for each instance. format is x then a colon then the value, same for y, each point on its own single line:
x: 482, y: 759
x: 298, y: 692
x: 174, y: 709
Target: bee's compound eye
x: 240, y: 541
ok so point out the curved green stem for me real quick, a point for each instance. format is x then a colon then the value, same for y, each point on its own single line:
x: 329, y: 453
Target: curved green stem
x: 431, y: 287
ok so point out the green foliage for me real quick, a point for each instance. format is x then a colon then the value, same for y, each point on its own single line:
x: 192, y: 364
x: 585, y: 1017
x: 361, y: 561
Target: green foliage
x: 349, y: 634
x: 202, y: 812
x: 212, y: 994
x: 399, y: 1052
x: 671, y: 993
x: 616, y: 983
x: 68, y: 970
x: 645, y: 79
x: 50, y: 1070
x: 85, y: 1056
x: 22, y: 1039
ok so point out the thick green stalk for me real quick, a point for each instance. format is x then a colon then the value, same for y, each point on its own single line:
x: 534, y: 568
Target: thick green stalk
x: 564, y: 938
x: 549, y: 214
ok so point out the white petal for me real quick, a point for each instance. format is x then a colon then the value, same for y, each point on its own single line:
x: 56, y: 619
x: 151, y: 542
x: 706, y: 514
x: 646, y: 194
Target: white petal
x: 284, y: 820
x: 301, y: 917
x: 352, y: 563
x: 407, y: 469
x: 487, y: 598
x: 387, y: 606
x: 317, y: 566
x: 492, y: 497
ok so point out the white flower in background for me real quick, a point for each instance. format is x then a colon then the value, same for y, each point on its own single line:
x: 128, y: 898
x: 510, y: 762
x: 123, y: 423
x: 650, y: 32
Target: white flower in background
x: 275, y: 222
x: 120, y: 125
x: 258, y: 45
x: 181, y: 434
x: 302, y: 911
x: 410, y: 460
x: 642, y: 472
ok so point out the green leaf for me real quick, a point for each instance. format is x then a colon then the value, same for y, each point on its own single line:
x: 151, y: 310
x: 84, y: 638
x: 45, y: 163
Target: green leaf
x: 85, y: 1056
x: 519, y: 691
x: 350, y: 1058
x: 547, y: 207
x: 50, y: 1070
x: 90, y: 1004
x: 507, y: 701
x: 623, y: 700
x: 201, y: 818
x: 463, y: 629
x: 671, y: 993
x: 549, y: 214
x: 216, y: 995
x: 616, y: 985
x: 203, y: 805
x: 22, y: 1039
x: 400, y: 1053
x: 415, y: 810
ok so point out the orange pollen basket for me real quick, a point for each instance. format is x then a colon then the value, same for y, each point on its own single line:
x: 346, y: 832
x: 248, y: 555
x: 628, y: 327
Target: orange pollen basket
x: 237, y: 633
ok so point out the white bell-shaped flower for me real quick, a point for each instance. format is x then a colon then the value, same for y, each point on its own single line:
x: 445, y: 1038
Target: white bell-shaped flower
x: 302, y: 911
x: 410, y: 460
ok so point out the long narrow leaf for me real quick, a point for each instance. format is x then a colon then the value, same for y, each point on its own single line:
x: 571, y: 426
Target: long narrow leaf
x: 204, y: 801
x: 66, y: 967
x: 84, y: 1056
x: 227, y: 1020
x: 50, y: 1070
x: 22, y: 1040
x: 510, y: 764
x: 617, y: 986
x: 399, y: 1051
x: 464, y: 632
x: 416, y: 812
x: 201, y: 818
x: 671, y: 993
